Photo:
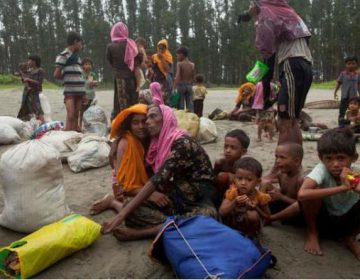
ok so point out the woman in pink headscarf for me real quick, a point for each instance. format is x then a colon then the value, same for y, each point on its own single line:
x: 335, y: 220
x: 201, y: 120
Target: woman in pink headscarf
x: 183, y: 183
x: 122, y: 54
x: 157, y: 93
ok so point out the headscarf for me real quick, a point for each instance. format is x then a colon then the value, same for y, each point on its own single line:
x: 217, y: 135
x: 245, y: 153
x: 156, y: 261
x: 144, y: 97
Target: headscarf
x: 157, y: 94
x: 131, y: 174
x: 167, y: 56
x: 120, y: 33
x: 240, y: 95
x: 160, y: 146
x: 277, y: 22
x: 116, y: 123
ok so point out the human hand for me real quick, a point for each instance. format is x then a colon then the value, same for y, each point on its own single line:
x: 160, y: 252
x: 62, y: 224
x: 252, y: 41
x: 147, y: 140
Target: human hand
x: 346, y: 178
x: 242, y: 200
x: 159, y: 199
x: 109, y: 225
x: 336, y: 96
x: 93, y: 84
x: 275, y: 194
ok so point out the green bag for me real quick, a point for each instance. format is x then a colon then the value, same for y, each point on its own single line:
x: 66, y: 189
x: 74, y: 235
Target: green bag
x: 259, y: 70
x: 175, y: 99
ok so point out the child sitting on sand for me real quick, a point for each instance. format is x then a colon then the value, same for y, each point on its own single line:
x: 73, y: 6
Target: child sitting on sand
x: 265, y: 119
x: 235, y: 146
x: 244, y: 100
x: 244, y: 207
x: 289, y: 176
x: 329, y: 197
x: 353, y: 114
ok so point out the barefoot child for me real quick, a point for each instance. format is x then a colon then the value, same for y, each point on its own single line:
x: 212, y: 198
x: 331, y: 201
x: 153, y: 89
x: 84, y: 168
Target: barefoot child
x: 289, y: 176
x: 235, y: 146
x: 330, y: 200
x: 244, y: 207
x: 353, y: 114
x: 68, y: 69
x: 200, y: 92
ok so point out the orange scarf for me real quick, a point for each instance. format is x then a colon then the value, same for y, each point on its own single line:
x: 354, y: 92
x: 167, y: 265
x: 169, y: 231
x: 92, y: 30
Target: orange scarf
x: 240, y: 96
x: 132, y: 174
x: 167, y: 56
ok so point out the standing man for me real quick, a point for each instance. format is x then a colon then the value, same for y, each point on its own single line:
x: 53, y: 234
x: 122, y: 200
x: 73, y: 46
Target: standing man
x: 283, y: 36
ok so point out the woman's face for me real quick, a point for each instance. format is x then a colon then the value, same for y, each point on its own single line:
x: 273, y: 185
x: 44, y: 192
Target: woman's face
x: 138, y: 126
x: 162, y: 48
x: 154, y: 121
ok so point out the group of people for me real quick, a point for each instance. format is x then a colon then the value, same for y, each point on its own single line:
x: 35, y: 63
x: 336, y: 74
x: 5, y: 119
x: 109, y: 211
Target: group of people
x: 159, y: 170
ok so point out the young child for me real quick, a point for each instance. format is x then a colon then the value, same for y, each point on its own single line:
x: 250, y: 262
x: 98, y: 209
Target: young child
x: 32, y: 75
x: 349, y: 81
x: 352, y: 115
x: 235, y: 146
x: 138, y: 70
x: 289, y: 176
x: 243, y: 102
x: 244, y: 207
x: 185, y: 73
x: 68, y: 69
x: 265, y: 119
x: 200, y: 92
x: 90, y: 78
x: 330, y: 199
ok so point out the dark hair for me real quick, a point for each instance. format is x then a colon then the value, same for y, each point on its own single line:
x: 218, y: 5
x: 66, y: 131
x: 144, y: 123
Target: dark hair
x: 36, y: 59
x: 241, y: 136
x: 351, y: 58
x: 295, y: 149
x: 338, y: 140
x: 141, y: 41
x: 249, y: 164
x: 355, y: 99
x: 199, y: 78
x: 87, y: 60
x: 183, y: 50
x: 73, y: 37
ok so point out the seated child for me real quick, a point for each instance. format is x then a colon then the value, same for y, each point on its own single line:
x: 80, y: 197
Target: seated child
x: 244, y: 207
x: 289, y: 176
x: 244, y: 100
x: 330, y: 200
x: 235, y: 146
x: 353, y: 115
x: 265, y: 119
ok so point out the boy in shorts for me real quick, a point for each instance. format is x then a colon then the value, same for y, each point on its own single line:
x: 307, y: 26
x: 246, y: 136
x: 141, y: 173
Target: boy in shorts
x: 68, y: 69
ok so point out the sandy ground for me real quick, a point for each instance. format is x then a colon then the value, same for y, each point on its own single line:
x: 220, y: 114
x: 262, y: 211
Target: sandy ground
x: 108, y: 258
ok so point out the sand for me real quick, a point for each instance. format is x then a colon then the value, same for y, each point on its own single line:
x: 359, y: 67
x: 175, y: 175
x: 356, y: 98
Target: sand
x: 108, y: 258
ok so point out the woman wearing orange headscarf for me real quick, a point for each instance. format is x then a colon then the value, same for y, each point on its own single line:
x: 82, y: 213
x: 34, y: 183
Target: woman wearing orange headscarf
x: 162, y: 63
x: 127, y: 157
x: 244, y: 99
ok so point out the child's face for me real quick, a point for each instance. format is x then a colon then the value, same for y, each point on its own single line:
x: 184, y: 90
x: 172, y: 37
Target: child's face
x: 284, y: 160
x: 336, y: 162
x: 246, y: 181
x: 247, y: 91
x: 233, y: 150
x: 31, y: 64
x: 77, y: 46
x: 180, y: 56
x: 87, y: 67
x: 351, y: 65
x: 354, y: 106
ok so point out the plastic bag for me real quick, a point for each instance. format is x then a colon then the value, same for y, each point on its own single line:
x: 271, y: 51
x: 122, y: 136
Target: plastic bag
x: 207, y: 132
x: 8, y: 135
x: 46, y: 127
x: 32, y: 178
x: 48, y: 245
x: 45, y: 105
x: 95, y: 121
x: 259, y: 70
x: 174, y: 99
x: 188, y: 121
x: 92, y: 152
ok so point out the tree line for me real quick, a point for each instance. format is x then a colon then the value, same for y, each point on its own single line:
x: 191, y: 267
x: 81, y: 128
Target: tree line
x: 222, y: 50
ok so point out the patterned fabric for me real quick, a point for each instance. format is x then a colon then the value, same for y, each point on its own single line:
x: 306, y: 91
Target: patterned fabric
x: 125, y: 95
x: 70, y: 63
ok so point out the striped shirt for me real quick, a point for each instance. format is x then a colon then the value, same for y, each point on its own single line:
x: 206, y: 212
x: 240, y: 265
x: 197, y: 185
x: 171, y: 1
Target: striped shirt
x: 70, y: 64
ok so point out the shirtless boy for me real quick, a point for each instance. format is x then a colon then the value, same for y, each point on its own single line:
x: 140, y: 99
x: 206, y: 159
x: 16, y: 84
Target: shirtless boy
x: 235, y: 146
x: 290, y: 177
x: 185, y: 74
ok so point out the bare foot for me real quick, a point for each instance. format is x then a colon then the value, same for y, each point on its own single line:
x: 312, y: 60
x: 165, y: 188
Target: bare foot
x: 353, y: 246
x: 312, y: 245
x: 125, y: 234
x: 101, y: 205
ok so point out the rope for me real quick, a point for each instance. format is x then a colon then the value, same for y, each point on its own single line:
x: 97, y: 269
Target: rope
x: 209, y: 276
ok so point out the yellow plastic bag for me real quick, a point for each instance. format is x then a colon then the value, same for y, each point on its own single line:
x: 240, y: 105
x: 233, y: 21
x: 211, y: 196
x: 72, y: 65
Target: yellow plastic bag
x: 188, y: 121
x: 50, y: 244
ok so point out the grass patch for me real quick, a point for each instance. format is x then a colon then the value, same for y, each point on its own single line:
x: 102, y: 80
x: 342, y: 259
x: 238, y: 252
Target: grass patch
x: 14, y: 82
x: 324, y: 85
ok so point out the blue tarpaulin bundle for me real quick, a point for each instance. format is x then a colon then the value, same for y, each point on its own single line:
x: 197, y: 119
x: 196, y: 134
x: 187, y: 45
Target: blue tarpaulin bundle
x: 201, y: 247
